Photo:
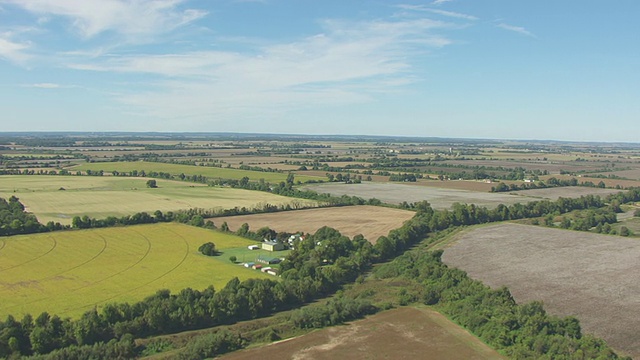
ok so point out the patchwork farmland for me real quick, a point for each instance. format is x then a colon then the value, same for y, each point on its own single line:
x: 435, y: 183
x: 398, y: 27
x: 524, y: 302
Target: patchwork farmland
x: 593, y: 277
x: 404, y: 333
x: 370, y: 221
x: 439, y: 198
x: 60, y: 198
x: 67, y: 273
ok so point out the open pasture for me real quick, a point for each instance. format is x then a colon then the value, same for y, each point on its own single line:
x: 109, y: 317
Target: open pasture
x: 70, y: 272
x: 403, y: 333
x: 439, y: 198
x: 102, y: 196
x: 370, y: 221
x: 189, y: 170
x: 590, y: 276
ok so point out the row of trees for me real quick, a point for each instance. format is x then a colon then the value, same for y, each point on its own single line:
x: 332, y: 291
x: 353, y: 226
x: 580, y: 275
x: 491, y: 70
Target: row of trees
x: 551, y: 182
x: 191, y: 309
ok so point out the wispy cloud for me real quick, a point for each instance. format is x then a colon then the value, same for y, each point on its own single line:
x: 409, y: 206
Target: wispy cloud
x: 348, y: 62
x: 46, y: 85
x: 132, y: 18
x: 424, y: 8
x: 13, y: 51
x: 517, y: 29
x: 438, y: 2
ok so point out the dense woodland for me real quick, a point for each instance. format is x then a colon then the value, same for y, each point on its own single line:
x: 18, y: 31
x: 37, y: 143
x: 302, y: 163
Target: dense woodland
x: 319, y: 266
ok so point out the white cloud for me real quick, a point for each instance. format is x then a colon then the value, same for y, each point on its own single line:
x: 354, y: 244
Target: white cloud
x: 348, y: 62
x: 45, y: 86
x: 517, y: 29
x: 132, y: 18
x: 13, y: 51
x: 438, y: 2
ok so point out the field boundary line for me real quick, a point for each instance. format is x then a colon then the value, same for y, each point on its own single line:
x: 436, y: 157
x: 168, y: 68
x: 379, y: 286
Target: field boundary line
x: 4, y: 242
x: 184, y: 258
x: 55, y: 244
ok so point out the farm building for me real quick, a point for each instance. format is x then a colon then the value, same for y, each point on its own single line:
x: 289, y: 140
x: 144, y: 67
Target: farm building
x: 272, y: 246
x: 253, y: 247
x: 249, y: 264
x: 257, y: 267
x: 269, y: 261
x: 265, y: 269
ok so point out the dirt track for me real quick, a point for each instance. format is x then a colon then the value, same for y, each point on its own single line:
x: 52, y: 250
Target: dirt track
x: 593, y: 277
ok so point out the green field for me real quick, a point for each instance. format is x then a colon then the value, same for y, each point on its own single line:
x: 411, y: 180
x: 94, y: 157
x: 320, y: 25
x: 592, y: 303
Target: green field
x: 69, y: 272
x: 102, y: 196
x: 176, y: 169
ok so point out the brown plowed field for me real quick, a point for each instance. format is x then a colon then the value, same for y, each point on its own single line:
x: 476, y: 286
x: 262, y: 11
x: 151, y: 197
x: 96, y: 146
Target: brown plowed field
x: 404, y: 333
x: 593, y: 277
x: 370, y: 221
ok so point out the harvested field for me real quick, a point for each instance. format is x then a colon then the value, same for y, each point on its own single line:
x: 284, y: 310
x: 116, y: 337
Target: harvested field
x: 470, y: 185
x: 370, y: 221
x: 60, y: 198
x: 69, y: 272
x: 438, y: 198
x: 404, y: 333
x: 590, y: 276
x: 566, y: 192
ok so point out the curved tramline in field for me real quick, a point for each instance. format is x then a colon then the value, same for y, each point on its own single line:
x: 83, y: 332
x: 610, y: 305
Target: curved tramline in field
x: 60, y: 198
x: 67, y: 273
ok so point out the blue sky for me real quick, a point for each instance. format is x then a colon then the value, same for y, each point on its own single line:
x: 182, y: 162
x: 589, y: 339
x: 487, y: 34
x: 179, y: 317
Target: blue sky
x: 544, y: 69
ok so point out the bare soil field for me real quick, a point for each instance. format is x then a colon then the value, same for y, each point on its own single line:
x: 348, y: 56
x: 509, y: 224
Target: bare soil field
x: 590, y: 276
x: 458, y: 184
x: 404, y: 333
x: 438, y: 198
x: 370, y: 221
x: 566, y: 192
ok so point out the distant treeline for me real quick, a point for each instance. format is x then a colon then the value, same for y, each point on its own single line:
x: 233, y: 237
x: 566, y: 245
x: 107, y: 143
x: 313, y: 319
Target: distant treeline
x: 550, y: 183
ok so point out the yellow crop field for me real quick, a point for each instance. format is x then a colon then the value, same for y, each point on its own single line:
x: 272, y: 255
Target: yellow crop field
x: 60, y: 198
x: 70, y: 272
